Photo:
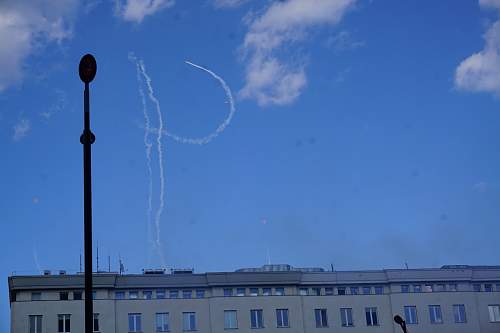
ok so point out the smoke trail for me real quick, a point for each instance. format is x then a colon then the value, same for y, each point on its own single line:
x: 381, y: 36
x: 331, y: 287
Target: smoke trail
x: 148, y: 145
x: 35, y: 259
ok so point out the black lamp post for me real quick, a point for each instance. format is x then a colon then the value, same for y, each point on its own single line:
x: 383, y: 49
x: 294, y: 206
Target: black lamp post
x: 400, y: 322
x: 87, y: 71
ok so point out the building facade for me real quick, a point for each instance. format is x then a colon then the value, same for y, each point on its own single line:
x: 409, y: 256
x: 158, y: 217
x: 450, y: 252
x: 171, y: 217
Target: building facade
x: 274, y: 298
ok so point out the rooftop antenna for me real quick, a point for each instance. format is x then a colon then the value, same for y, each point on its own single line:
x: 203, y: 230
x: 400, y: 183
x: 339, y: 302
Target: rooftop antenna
x: 406, y: 265
x: 109, y: 263
x: 97, y: 256
x: 331, y: 265
x: 80, y: 261
x: 122, y: 268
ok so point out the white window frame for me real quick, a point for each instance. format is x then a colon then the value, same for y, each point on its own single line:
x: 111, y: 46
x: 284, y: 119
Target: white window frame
x: 63, y: 317
x: 94, y: 318
x: 409, y: 319
x: 371, y: 310
x: 254, y: 315
x: 434, y: 311
x: 229, y: 323
x: 344, y: 317
x: 162, y: 318
x: 494, y: 315
x: 133, y: 294
x: 37, y: 327
x: 457, y: 315
x: 137, y: 322
x: 280, y: 318
x: 321, y: 318
x: 191, y: 321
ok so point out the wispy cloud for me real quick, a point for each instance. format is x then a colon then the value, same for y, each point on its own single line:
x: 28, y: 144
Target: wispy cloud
x: 271, y: 80
x: 480, y: 72
x: 481, y: 186
x: 21, y: 129
x: 343, y: 41
x: 57, y: 106
x: 27, y: 25
x: 229, y: 3
x: 137, y: 10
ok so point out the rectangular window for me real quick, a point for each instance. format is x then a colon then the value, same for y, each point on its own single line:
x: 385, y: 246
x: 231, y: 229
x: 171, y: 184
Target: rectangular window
x: 160, y: 293
x: 256, y: 319
x: 341, y: 291
x: 189, y: 321
x: 147, y: 294
x: 282, y: 317
x: 367, y: 290
x: 459, y: 313
x: 266, y: 291
x: 441, y: 287
x: 328, y: 291
x: 63, y: 296
x: 476, y: 287
x: 254, y: 291
x: 279, y: 291
x: 228, y: 292
x: 371, y: 317
x: 35, y: 324
x: 321, y: 318
x: 161, y: 322
x: 303, y: 291
x: 346, y: 317
x: 240, y: 291
x: 488, y: 287
x: 36, y: 296
x: 316, y: 291
x: 498, y: 286
x: 417, y: 288
x: 174, y: 293
x: 354, y: 290
x: 200, y: 293
x: 230, y: 319
x: 452, y: 287
x: 134, y: 322
x: 428, y: 288
x: 435, y: 314
x: 405, y: 288
x: 133, y: 294
x: 77, y: 295
x: 187, y: 293
x: 96, y: 322
x: 494, y: 311
x: 379, y: 290
x: 63, y: 323
x: 119, y: 294
x: 411, y: 314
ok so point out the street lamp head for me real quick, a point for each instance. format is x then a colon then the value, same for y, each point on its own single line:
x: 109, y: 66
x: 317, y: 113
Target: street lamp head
x: 398, y: 319
x: 87, y: 68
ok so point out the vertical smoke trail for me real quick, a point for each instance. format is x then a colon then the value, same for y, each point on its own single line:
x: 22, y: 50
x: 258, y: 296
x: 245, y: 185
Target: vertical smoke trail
x: 148, y: 145
x: 35, y: 259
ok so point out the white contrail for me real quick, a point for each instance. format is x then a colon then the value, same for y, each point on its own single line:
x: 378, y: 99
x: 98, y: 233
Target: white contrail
x: 35, y: 259
x: 148, y: 145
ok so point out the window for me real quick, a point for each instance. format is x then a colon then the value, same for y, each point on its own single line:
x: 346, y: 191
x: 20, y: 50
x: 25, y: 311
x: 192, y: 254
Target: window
x: 162, y: 322
x: 160, y: 293
x: 119, y: 294
x: 441, y: 287
x: 77, y: 295
x: 459, y: 313
x: 379, y: 290
x: 346, y: 317
x: 428, y: 288
x: 254, y: 291
x: 494, y: 311
x: 341, y: 291
x: 63, y: 296
x: 279, y: 291
x: 316, y: 291
x: 367, y: 290
x: 36, y: 296
x: 95, y: 322
x: 187, y: 293
x: 405, y: 288
x: 134, y: 322
x: 228, y: 292
x: 498, y: 286
x: 63, y: 323
x: 354, y: 290
x: 282, y: 317
x: 256, y: 319
x: 147, y: 294
x: 321, y: 318
x: 371, y: 317
x: 189, y: 321
x: 303, y: 291
x: 35, y: 324
x: 266, y: 291
x: 230, y: 319
x: 476, y: 287
x: 133, y: 294
x: 174, y: 293
x: 452, y: 287
x: 435, y: 314
x: 329, y: 291
x: 200, y: 293
x: 411, y: 315
x: 240, y: 291
x: 417, y: 288
x: 488, y: 287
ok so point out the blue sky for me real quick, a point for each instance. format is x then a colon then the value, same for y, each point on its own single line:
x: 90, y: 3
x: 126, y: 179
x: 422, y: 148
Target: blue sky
x: 366, y: 133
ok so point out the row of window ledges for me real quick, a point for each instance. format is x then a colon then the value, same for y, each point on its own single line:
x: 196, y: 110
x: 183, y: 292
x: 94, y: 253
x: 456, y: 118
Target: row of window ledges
x: 459, y: 314
x: 63, y: 323
x: 441, y: 287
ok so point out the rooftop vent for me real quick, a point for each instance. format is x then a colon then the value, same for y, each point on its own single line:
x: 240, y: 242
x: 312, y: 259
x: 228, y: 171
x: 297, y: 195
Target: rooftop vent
x: 62, y: 272
x: 182, y: 270
x: 280, y: 268
x: 46, y: 272
x: 157, y: 271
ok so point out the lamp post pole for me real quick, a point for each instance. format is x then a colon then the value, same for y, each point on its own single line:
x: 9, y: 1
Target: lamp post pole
x: 87, y: 71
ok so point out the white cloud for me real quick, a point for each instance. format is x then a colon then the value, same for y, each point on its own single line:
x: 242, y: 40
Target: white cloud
x: 137, y: 10
x: 21, y: 129
x: 268, y: 79
x: 490, y: 3
x: 27, y: 25
x: 344, y: 41
x: 229, y: 3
